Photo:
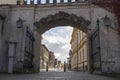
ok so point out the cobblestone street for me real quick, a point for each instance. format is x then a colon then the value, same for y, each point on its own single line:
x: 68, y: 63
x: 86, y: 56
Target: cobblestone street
x: 55, y: 76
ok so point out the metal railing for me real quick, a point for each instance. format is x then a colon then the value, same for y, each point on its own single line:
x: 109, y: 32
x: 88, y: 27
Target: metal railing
x: 35, y: 2
x: 38, y: 2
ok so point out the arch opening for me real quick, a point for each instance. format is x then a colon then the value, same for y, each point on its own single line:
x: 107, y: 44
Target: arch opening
x: 62, y: 19
x: 57, y: 42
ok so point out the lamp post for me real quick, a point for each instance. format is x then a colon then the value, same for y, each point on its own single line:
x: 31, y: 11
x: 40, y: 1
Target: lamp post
x: 107, y: 21
x: 47, y: 66
x: 19, y: 23
x: 99, y: 47
x: 77, y: 51
x: 98, y: 23
x: 83, y: 59
x: 64, y: 66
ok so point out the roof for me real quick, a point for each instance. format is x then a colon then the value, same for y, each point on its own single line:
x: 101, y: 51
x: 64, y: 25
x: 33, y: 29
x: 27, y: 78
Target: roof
x: 45, y: 47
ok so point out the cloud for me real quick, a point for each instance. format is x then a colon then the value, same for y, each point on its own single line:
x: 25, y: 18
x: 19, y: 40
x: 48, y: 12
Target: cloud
x: 58, y: 41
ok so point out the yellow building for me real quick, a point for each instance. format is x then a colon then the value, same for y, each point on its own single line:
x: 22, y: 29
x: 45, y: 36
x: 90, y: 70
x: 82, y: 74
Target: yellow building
x: 44, y: 56
x: 79, y: 50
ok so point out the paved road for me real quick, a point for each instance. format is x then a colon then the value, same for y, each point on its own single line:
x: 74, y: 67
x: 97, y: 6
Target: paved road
x: 55, y: 76
x: 52, y: 70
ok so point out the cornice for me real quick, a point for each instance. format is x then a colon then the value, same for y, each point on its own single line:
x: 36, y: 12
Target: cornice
x: 51, y: 6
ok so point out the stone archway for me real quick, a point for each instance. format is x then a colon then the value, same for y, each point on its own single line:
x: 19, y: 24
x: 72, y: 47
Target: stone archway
x: 60, y: 19
x: 68, y: 15
x: 65, y: 19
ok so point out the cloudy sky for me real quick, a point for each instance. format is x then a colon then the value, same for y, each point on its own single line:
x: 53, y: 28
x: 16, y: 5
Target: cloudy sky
x: 58, y: 40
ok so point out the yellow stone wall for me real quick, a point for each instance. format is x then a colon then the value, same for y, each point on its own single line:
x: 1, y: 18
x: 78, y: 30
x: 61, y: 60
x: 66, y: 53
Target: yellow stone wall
x: 44, y: 55
x: 79, y: 50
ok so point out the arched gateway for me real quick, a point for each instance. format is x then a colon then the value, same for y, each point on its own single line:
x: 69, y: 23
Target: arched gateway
x: 62, y: 19
x: 24, y: 24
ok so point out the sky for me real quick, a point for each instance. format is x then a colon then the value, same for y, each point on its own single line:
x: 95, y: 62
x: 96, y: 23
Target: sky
x: 58, y: 40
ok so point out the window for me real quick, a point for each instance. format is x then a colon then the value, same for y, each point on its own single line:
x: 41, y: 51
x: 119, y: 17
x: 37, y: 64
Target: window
x: 80, y: 57
x: 83, y: 55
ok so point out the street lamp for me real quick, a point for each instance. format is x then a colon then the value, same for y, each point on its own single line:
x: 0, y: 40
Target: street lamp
x: 47, y: 66
x: 64, y: 66
x: 77, y: 51
x: 19, y: 23
x: 98, y: 22
x: 98, y: 29
x: 107, y: 21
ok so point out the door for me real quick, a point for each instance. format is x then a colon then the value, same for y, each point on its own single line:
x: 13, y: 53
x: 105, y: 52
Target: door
x: 11, y: 53
x: 28, y: 56
x: 95, y: 50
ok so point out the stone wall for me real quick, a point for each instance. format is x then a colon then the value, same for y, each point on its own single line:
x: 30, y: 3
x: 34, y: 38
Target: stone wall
x: 110, y: 48
x: 37, y: 52
x: 3, y: 42
x: 8, y: 2
x: 0, y: 45
x: 34, y: 13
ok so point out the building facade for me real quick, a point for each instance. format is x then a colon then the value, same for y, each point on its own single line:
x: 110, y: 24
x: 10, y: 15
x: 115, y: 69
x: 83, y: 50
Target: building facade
x: 44, y: 57
x: 51, y: 60
x: 39, y: 17
x: 56, y: 62
x: 79, y: 50
x: 69, y: 59
x: 47, y: 58
x: 59, y: 66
